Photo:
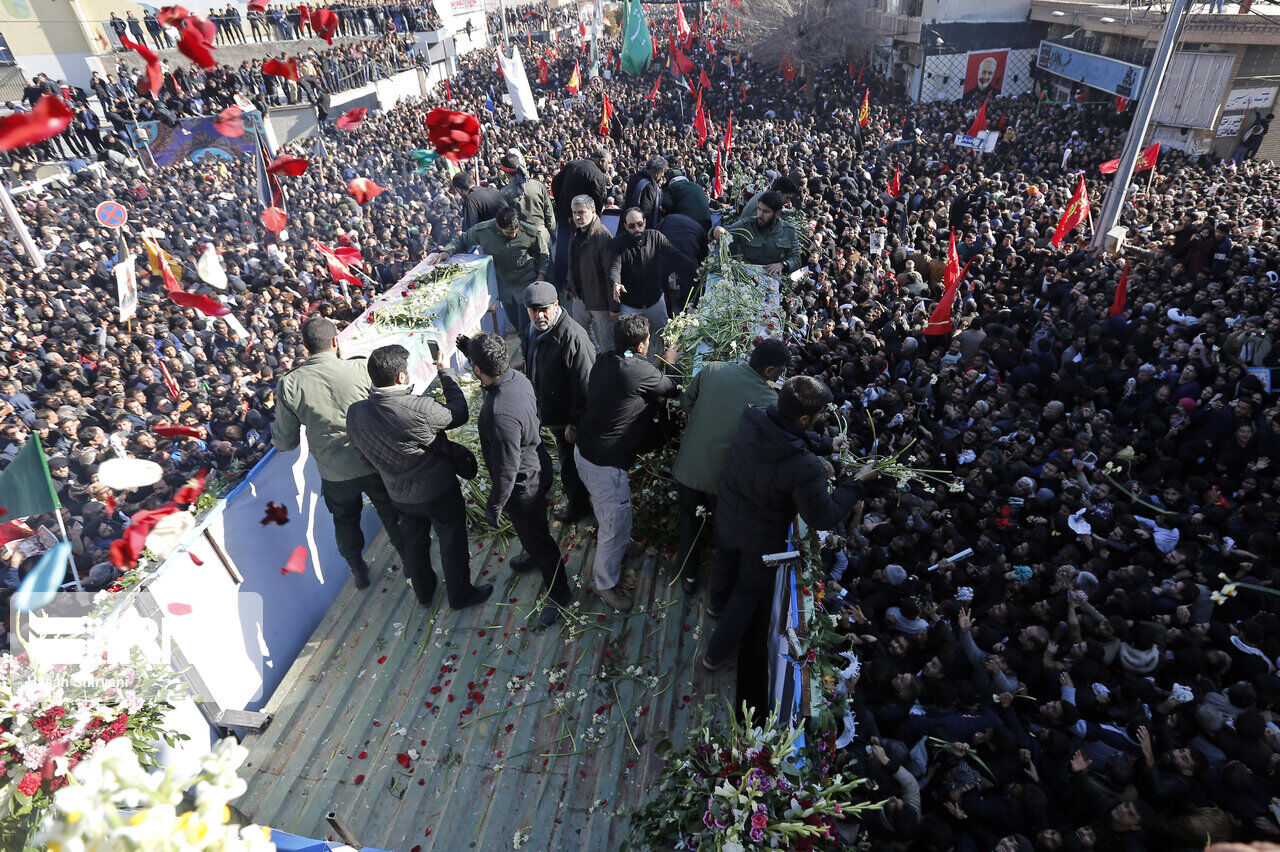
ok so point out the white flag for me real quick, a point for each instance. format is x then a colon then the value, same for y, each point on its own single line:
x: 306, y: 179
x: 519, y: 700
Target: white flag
x: 209, y: 268
x: 518, y: 85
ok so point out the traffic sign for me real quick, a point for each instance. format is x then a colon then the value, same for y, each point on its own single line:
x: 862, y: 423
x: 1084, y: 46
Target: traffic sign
x: 111, y: 214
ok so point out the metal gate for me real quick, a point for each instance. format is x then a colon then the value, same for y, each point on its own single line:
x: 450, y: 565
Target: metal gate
x: 1193, y: 89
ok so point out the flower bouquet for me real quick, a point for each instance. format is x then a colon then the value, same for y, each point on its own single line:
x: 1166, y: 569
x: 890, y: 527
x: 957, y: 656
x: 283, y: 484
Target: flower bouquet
x: 114, y: 803
x: 52, y: 719
x: 892, y: 465
x: 427, y: 297
x: 734, y: 786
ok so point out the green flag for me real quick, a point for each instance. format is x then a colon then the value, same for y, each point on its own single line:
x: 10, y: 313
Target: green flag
x: 25, y: 486
x: 637, y: 44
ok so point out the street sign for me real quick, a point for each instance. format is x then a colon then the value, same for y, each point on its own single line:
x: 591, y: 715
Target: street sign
x: 111, y: 214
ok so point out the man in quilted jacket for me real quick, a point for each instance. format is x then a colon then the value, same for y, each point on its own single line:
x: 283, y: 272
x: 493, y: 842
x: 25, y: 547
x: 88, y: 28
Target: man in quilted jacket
x: 400, y: 434
x: 772, y: 475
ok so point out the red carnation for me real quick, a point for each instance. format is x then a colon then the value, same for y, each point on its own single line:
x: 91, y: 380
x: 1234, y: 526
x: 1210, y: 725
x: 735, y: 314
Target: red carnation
x: 28, y: 785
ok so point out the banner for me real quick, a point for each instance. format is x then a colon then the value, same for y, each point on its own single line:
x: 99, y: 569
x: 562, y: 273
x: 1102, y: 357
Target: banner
x: 518, y: 85
x: 194, y: 139
x: 984, y: 72
x: 126, y: 273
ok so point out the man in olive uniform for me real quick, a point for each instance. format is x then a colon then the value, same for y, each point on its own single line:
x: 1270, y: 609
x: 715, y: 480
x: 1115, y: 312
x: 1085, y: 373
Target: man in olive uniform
x: 528, y: 196
x: 316, y: 395
x: 520, y: 256
x: 768, y: 240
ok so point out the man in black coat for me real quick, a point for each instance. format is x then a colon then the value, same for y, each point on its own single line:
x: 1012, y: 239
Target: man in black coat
x: 644, y: 189
x: 585, y: 176
x: 774, y: 474
x: 642, y: 260
x: 690, y: 241
x: 401, y: 435
x: 559, y: 356
x: 519, y: 465
x: 479, y: 203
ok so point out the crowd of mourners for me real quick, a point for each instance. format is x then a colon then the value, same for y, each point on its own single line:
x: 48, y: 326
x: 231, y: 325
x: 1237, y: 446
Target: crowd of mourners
x: 1097, y: 671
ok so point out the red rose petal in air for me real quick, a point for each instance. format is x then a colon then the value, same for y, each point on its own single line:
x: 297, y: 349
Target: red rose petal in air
x: 169, y: 16
x: 230, y: 122
x: 179, y: 609
x: 364, y: 190
x: 273, y: 219
x: 359, y: 780
x: 110, y: 503
x: 196, y: 559
x: 363, y: 755
x: 178, y: 431
x: 192, y: 45
x: 382, y: 659
x: 325, y: 24
x: 276, y: 68
x: 288, y: 164
x: 194, y: 487
x: 297, y: 563
x: 352, y: 118
x: 258, y: 5
x: 47, y: 119
x: 206, y: 28
x: 403, y: 760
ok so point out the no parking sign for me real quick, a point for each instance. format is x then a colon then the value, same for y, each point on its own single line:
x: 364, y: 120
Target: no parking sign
x: 111, y: 214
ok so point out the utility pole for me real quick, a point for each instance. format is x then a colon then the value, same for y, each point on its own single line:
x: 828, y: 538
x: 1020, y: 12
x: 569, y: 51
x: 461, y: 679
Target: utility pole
x: 502, y: 11
x: 1114, y: 202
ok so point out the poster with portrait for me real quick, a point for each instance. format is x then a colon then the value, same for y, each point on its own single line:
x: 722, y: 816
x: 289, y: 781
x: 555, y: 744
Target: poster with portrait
x: 126, y: 287
x: 984, y: 73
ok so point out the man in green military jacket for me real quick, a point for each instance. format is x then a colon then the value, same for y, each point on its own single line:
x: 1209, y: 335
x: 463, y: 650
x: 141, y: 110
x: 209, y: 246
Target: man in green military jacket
x: 528, y: 196
x: 768, y: 240
x: 520, y: 252
x: 715, y: 400
x: 317, y: 394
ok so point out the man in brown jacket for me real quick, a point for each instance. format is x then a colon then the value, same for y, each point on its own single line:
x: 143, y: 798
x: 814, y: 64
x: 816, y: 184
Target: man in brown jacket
x: 590, y: 255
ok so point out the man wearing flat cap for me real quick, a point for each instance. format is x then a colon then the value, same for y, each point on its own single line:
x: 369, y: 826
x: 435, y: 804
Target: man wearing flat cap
x: 559, y: 356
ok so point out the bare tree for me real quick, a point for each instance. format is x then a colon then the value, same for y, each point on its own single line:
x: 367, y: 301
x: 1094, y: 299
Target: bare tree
x: 817, y: 33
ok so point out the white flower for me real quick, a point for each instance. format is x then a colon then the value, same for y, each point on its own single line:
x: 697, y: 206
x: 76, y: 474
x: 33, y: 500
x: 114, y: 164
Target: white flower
x: 520, y: 838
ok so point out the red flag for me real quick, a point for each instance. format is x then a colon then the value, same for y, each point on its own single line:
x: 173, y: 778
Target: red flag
x: 324, y: 23
x: 206, y: 305
x: 606, y: 115
x: 653, y: 94
x: 980, y: 120
x: 703, y: 80
x: 1077, y: 211
x: 744, y: 93
x: 940, y: 319
x: 684, y: 63
x: 169, y: 384
x: 728, y: 135
x: 788, y: 67
x: 364, y: 190
x: 864, y: 111
x: 171, y: 16
x: 542, y: 71
x: 850, y: 67
x: 717, y: 187
x: 1146, y: 160
x: 273, y: 219
x: 860, y: 70
x: 1084, y: 93
x: 575, y: 79
x: 1122, y: 104
x: 682, y: 25
x: 230, y: 122
x: 1122, y: 289
x: 895, y: 185
x: 700, y: 123
x: 448, y: 92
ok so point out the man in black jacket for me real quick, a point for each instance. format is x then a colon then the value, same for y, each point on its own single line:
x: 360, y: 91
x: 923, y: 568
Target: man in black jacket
x: 644, y: 189
x: 690, y: 241
x: 623, y: 390
x: 401, y: 435
x: 773, y: 475
x: 559, y: 357
x: 642, y: 256
x: 590, y: 256
x: 519, y: 466
x: 585, y: 176
x: 479, y: 203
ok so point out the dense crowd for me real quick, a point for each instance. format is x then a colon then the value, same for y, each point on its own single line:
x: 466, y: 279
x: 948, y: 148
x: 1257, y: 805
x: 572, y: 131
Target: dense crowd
x: 1082, y: 680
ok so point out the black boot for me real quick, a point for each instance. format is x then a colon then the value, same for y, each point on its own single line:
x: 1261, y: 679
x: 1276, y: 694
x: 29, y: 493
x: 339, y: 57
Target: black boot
x: 360, y: 574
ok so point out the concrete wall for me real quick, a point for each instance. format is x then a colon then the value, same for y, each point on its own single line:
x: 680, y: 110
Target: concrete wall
x: 974, y: 11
